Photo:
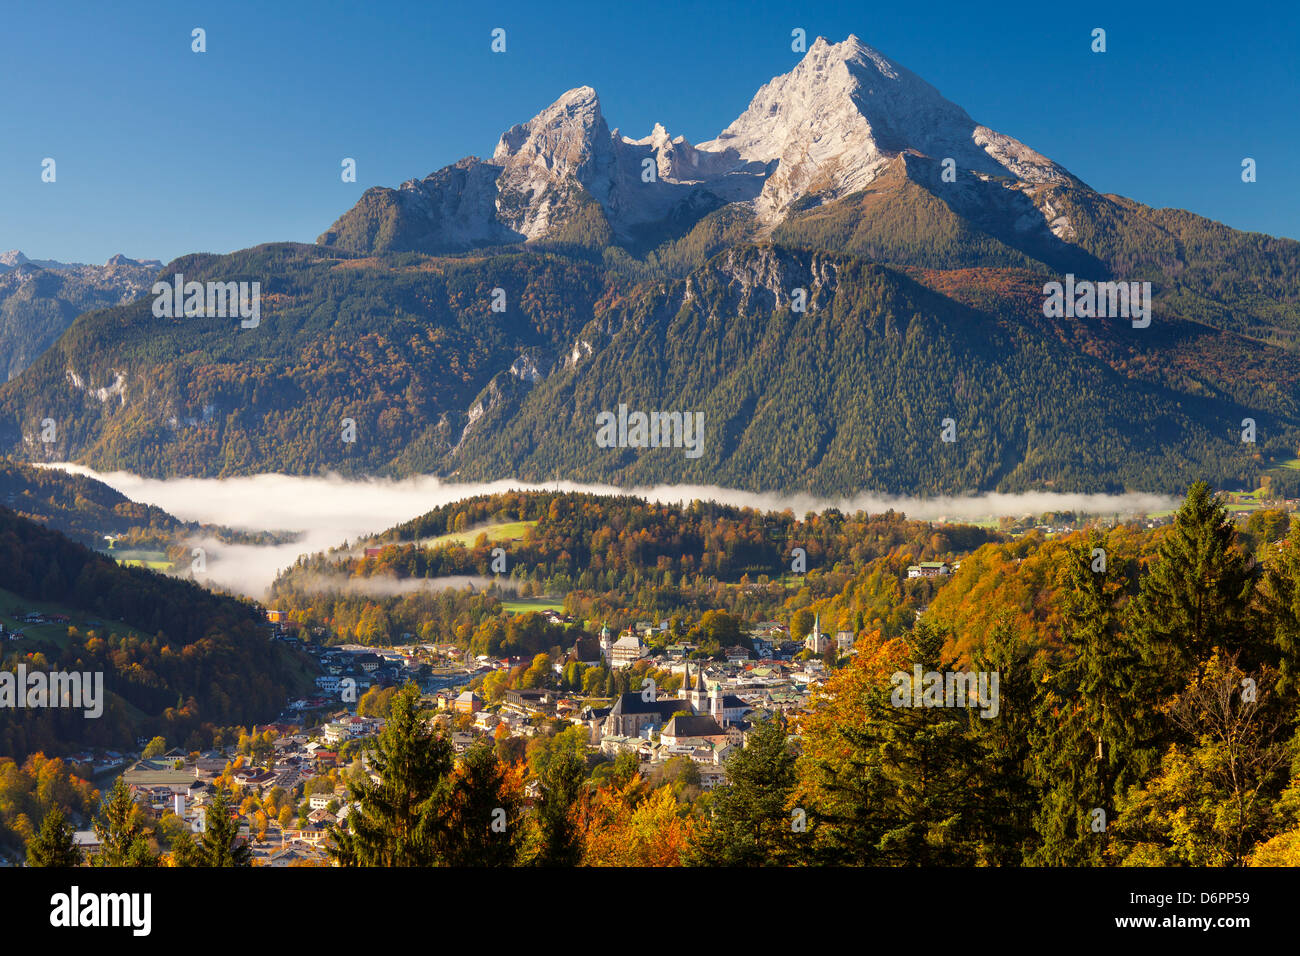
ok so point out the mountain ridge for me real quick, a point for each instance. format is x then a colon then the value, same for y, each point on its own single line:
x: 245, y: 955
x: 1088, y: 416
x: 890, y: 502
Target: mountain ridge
x: 475, y: 322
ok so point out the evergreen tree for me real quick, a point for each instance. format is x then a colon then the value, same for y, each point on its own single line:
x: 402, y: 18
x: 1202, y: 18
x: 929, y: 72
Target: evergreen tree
x: 1196, y: 596
x: 1013, y: 795
x: 750, y: 823
x: 1280, y: 617
x: 184, y: 851
x: 395, y: 820
x: 120, y: 828
x: 1094, y: 733
x: 560, y: 786
x: 53, y: 845
x: 482, y: 822
x: 898, y: 784
x: 218, y: 846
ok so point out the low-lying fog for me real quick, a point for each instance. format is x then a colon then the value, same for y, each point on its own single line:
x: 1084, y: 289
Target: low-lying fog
x: 326, y: 511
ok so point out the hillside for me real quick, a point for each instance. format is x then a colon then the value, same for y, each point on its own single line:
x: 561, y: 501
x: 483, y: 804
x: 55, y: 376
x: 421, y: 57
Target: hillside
x: 177, y: 659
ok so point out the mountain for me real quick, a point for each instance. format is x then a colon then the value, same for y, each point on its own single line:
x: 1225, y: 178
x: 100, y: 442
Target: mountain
x: 40, y: 298
x: 851, y: 262
x: 825, y: 130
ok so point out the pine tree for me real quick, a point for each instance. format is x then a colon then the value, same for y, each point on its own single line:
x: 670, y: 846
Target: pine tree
x: 1280, y: 618
x: 892, y: 784
x: 750, y: 823
x: 395, y: 822
x: 482, y: 823
x: 1094, y: 733
x: 122, y: 837
x: 560, y: 787
x: 1011, y: 793
x: 218, y: 846
x: 1197, y: 594
x: 54, y: 845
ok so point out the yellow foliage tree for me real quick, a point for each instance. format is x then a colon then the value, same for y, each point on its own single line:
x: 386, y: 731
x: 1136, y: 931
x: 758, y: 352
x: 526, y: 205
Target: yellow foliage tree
x: 652, y: 832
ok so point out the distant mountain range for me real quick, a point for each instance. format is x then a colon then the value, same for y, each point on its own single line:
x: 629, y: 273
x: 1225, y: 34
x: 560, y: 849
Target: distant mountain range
x: 39, y: 298
x: 848, y: 266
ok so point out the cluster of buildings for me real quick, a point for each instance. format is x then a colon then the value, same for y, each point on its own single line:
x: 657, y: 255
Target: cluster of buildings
x: 34, y: 618
x: 182, y: 784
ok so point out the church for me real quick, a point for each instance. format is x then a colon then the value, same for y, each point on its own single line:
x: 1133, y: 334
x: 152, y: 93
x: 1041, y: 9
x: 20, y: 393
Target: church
x: 634, y: 716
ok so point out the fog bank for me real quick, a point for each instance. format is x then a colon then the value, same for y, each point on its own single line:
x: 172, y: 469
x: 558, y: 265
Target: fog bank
x: 327, y: 511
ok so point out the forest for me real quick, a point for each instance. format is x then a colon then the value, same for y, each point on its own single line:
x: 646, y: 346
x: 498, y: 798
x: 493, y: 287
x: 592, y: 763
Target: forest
x: 177, y: 659
x: 850, y: 393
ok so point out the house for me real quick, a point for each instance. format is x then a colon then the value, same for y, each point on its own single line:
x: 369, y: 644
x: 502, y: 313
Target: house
x: 253, y: 777
x: 205, y: 768
x: 87, y: 841
x: 528, y: 698
x: 928, y: 569
x: 696, y: 731
x: 627, y: 650
x: 737, y: 656
x: 468, y: 703
x: 336, y: 733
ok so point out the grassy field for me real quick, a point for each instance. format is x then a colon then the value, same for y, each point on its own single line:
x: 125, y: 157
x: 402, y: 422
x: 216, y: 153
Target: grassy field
x: 56, y: 634
x: 155, y: 560
x: 507, y: 531
x: 524, y: 605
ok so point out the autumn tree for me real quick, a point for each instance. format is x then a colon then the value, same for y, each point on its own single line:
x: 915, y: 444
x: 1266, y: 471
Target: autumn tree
x: 481, y: 823
x: 624, y: 829
x: 1213, y: 800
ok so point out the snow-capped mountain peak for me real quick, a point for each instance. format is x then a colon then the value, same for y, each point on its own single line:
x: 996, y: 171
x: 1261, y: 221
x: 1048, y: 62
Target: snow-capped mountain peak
x: 828, y: 128
x: 835, y: 121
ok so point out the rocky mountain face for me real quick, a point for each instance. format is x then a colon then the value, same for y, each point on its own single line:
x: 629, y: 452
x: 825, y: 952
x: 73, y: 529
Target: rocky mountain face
x: 851, y: 263
x: 39, y: 299
x: 827, y: 129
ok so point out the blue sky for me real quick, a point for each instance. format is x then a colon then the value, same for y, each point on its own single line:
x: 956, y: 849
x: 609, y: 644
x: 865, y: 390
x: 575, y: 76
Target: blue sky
x: 161, y: 151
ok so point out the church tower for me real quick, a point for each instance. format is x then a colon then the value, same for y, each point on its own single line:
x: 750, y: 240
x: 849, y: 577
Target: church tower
x: 606, y: 643
x: 698, y: 695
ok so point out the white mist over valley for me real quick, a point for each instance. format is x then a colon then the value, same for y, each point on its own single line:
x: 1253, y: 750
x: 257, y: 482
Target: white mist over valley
x: 327, y: 511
